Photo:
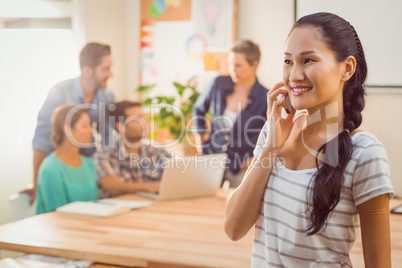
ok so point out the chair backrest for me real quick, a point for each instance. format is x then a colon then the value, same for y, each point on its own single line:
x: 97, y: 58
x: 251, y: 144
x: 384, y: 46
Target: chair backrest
x: 20, y: 206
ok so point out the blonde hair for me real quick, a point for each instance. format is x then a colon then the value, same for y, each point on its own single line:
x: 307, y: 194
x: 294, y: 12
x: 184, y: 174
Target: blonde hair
x: 249, y: 49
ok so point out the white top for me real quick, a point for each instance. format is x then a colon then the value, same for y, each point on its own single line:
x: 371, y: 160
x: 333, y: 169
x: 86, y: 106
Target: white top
x: 280, y: 240
x: 229, y: 118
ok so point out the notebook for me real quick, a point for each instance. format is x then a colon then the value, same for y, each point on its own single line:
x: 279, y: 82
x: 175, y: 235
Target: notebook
x: 397, y: 210
x: 185, y: 177
x: 101, y: 208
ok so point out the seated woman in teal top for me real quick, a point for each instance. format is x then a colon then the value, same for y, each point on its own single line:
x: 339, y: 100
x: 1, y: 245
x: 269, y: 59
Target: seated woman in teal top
x: 65, y: 175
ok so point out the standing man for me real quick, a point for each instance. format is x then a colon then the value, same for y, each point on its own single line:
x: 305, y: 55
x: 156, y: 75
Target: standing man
x: 90, y: 89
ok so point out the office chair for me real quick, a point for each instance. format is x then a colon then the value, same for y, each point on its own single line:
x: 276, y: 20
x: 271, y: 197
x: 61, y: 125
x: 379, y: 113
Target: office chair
x: 20, y: 206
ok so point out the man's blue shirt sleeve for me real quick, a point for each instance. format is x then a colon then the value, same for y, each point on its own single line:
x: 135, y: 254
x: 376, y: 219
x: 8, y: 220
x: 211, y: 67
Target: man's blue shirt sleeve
x: 41, y: 140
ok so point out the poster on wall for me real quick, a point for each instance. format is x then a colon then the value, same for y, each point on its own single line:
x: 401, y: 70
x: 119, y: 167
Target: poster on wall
x: 185, y: 42
x: 213, y: 20
x: 172, y: 60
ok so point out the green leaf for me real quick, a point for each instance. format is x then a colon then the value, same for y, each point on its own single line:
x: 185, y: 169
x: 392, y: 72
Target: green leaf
x: 147, y: 102
x: 164, y: 113
x: 180, y: 88
x: 161, y: 99
x: 193, y: 98
x: 186, y: 109
x: 178, y: 121
x: 170, y: 100
x: 169, y: 118
x: 154, y: 134
x: 175, y: 131
x: 145, y: 88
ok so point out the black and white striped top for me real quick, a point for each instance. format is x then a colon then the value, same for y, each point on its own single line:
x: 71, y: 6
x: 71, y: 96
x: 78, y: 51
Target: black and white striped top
x: 280, y: 240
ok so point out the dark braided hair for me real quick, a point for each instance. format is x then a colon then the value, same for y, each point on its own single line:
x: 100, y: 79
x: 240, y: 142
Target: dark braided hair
x: 343, y: 40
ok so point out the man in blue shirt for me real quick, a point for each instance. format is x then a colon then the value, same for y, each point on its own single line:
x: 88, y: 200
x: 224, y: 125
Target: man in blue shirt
x: 87, y: 89
x: 238, y: 106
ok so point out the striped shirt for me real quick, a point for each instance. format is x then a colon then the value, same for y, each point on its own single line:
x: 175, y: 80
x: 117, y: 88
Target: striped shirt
x: 280, y: 240
x: 144, y: 166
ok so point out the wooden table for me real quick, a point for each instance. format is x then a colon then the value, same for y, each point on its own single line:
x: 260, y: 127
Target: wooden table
x: 182, y: 233
x: 176, y: 234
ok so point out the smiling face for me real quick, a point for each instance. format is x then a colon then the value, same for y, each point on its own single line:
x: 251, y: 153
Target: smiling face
x: 311, y: 73
x: 102, y: 72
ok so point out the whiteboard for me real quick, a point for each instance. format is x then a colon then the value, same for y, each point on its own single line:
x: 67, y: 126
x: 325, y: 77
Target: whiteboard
x: 379, y: 25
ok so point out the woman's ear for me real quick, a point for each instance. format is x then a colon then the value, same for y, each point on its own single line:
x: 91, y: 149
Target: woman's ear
x: 349, y: 68
x: 255, y: 64
x: 67, y: 130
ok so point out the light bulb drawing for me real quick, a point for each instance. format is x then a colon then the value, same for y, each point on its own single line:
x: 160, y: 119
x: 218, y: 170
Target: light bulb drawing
x: 212, y: 12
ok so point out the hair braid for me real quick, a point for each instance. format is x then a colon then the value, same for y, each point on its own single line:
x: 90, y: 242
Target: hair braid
x: 353, y: 93
x: 327, y: 184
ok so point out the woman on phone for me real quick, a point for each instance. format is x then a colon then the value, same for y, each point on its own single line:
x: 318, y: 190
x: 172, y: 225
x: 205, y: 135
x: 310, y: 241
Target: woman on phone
x: 65, y: 175
x: 315, y: 176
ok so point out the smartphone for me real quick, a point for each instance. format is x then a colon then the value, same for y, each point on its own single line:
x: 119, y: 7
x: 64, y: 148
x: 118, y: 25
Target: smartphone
x: 290, y: 108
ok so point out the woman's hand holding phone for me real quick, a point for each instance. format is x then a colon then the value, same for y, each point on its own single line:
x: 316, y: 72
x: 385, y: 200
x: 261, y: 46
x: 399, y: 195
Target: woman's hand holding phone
x: 280, y: 127
x: 289, y: 107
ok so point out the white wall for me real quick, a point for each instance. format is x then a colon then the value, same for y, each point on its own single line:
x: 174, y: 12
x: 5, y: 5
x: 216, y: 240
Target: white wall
x: 105, y: 22
x: 133, y: 13
x: 381, y: 116
x: 27, y: 71
x: 377, y: 34
x: 28, y: 57
x: 117, y: 23
x: 267, y: 22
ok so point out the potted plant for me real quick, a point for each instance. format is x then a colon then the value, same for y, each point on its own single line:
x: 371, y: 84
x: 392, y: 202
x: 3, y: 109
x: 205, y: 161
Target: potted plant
x: 174, y: 112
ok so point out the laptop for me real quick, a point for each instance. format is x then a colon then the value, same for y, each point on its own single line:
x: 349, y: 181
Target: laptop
x: 185, y: 177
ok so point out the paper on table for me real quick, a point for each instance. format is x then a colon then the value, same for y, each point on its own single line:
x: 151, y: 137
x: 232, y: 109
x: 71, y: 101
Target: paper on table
x: 12, y: 263
x: 132, y: 204
x: 43, y: 261
x: 92, y: 209
x: 9, y: 263
x: 397, y: 210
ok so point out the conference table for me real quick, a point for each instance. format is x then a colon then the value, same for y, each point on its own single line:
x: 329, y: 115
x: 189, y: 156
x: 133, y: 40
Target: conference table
x: 176, y: 234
